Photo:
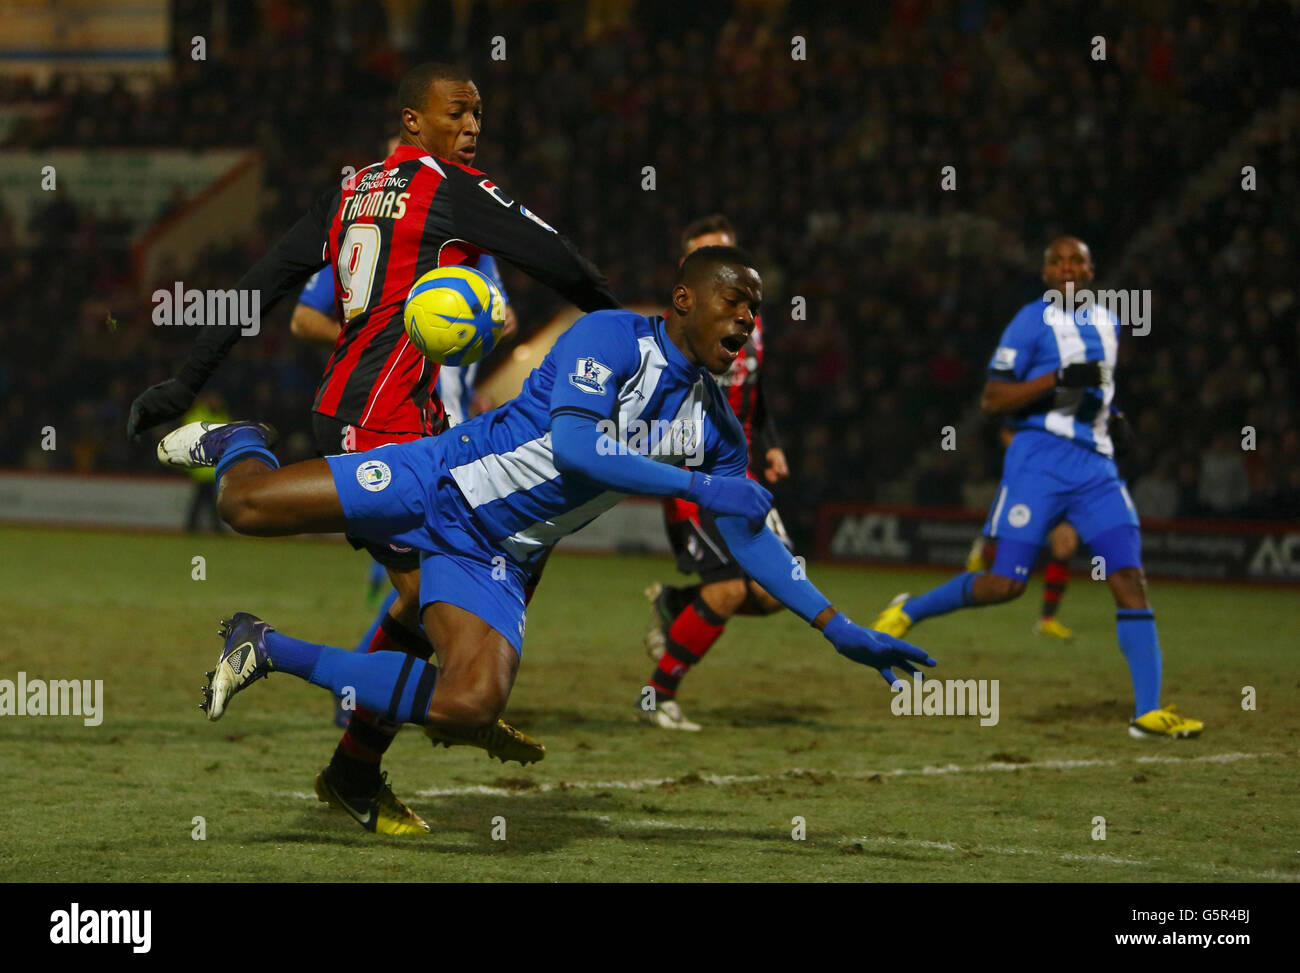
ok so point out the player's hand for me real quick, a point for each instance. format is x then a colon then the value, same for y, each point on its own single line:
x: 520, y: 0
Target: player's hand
x: 511, y: 325
x: 777, y: 467
x: 1080, y: 375
x: 158, y: 403
x: 875, y: 649
x: 1121, y: 433
x: 735, y: 495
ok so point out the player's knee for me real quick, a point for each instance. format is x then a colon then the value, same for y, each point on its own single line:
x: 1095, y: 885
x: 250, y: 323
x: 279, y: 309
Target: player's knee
x: 759, y: 602
x: 999, y: 589
x: 406, y: 608
x: 1129, y: 585
x: 1064, y: 544
x: 726, y: 597
x: 236, y: 508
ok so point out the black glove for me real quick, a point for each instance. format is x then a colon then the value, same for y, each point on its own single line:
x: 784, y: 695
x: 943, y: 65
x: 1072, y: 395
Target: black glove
x: 158, y: 403
x: 1080, y: 375
x: 1121, y: 433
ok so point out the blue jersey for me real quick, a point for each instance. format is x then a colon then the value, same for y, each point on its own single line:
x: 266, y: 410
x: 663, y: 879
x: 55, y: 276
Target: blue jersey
x: 1042, y: 338
x: 620, y: 369
x: 318, y: 292
x: 455, y: 386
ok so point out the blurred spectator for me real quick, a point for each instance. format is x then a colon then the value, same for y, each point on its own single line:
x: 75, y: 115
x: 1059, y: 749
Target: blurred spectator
x: 1224, y: 486
x: 1156, y: 494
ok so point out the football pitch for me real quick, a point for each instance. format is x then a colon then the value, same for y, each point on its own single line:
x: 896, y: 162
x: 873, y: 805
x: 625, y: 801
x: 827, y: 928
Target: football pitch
x: 802, y: 772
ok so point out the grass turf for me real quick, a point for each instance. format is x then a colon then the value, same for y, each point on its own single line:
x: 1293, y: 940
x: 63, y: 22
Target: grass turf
x: 791, y: 731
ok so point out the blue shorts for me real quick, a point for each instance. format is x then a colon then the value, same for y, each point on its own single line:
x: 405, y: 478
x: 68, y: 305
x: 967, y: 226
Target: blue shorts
x: 404, y: 494
x: 1047, y: 479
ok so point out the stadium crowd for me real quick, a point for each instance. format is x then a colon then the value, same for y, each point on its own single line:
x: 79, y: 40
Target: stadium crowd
x: 831, y: 168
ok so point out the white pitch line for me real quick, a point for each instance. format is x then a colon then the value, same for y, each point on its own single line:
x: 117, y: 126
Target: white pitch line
x: 725, y: 780
x: 986, y: 850
x: 1266, y: 874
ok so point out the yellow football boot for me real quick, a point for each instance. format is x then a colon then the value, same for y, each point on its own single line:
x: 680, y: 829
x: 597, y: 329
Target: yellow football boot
x: 893, y: 620
x: 975, y: 560
x: 1164, y: 723
x: 500, y: 740
x: 1053, y: 628
x: 381, y: 812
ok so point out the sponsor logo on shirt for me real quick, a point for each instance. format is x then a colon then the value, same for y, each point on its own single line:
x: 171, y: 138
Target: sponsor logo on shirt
x: 590, y: 376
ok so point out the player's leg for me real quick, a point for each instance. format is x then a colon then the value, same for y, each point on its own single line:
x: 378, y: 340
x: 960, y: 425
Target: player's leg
x: 476, y: 669
x: 980, y: 557
x: 254, y: 498
x: 1019, y: 519
x: 1062, y: 542
x: 478, y: 666
x: 474, y: 598
x: 354, y: 765
x: 1106, y: 519
x: 757, y: 601
x: 689, y: 636
x: 695, y: 626
x: 254, y: 494
x: 668, y: 601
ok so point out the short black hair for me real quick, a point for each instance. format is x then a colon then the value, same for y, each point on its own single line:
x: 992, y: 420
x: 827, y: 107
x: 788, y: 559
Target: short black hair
x: 705, y: 259
x: 413, y: 92
x: 713, y: 223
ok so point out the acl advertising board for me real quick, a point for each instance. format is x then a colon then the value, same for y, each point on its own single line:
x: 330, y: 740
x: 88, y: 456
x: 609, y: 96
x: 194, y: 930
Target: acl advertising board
x: 1207, y: 549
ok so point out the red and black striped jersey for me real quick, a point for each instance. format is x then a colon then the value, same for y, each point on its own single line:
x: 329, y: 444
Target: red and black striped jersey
x: 382, y: 230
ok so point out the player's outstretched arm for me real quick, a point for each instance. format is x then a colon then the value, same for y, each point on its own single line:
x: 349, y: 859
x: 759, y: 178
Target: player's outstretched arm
x: 766, y: 560
x: 580, y: 447
x: 487, y: 217
x: 298, y: 254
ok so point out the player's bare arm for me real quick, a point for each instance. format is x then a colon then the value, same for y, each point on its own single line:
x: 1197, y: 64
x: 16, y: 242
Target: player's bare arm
x: 316, y: 327
x: 999, y: 398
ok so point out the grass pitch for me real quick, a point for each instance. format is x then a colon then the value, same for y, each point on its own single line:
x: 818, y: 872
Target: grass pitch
x: 791, y: 731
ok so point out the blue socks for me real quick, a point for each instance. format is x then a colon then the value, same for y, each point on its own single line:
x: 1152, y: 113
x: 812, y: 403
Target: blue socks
x: 245, y: 443
x: 397, y: 685
x: 1136, y: 629
x: 949, y: 596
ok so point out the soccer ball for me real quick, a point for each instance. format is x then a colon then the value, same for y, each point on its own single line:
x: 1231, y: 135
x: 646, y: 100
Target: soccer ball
x: 454, y: 315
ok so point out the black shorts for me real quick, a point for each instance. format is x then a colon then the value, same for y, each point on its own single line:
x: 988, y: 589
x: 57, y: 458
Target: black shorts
x: 699, y: 547
x: 335, y: 437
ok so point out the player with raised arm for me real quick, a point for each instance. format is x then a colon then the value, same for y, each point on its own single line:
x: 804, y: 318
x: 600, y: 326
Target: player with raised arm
x: 486, y: 503
x: 1053, y: 372
x: 685, y: 622
x: 381, y: 230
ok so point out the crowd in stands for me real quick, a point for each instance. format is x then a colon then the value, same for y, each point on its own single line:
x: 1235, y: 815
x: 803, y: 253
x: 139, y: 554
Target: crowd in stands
x: 832, y: 166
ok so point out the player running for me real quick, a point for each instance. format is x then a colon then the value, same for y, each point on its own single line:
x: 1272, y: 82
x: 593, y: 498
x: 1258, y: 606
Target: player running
x: 485, y: 503
x: 1062, y: 542
x: 1053, y: 373
x: 382, y: 229
x: 686, y: 621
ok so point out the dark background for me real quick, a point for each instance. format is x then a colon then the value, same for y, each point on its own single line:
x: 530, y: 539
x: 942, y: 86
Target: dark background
x: 830, y: 169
